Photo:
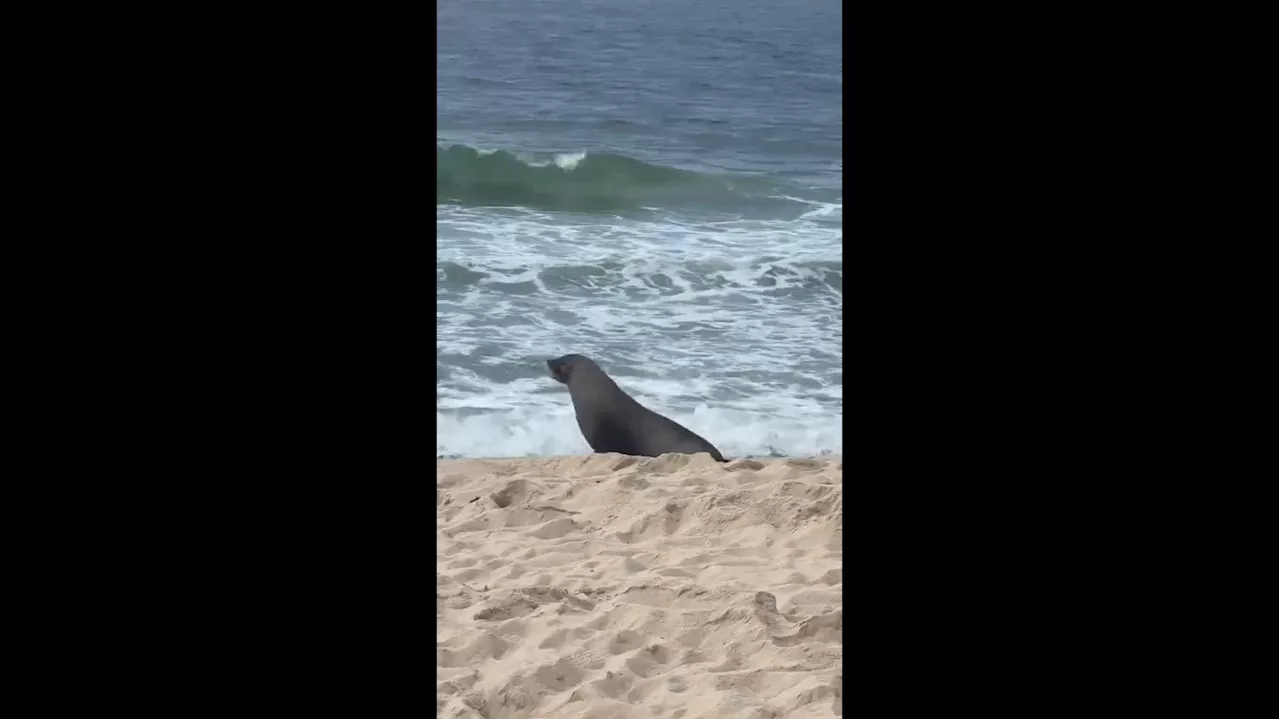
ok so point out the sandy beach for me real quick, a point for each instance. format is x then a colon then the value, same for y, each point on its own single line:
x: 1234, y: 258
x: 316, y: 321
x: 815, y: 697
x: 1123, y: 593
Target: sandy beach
x: 608, y: 586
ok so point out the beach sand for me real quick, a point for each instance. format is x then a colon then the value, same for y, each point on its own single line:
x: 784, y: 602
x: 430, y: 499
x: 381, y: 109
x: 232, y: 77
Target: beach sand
x: 609, y: 587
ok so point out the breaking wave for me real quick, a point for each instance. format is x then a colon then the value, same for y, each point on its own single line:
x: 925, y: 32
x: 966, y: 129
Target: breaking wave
x: 592, y: 182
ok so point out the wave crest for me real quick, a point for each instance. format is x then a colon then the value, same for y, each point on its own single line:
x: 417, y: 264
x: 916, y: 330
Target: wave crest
x: 583, y: 182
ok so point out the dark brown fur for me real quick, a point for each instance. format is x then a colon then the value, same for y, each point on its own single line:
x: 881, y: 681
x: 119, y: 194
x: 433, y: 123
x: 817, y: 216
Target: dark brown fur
x: 611, y: 421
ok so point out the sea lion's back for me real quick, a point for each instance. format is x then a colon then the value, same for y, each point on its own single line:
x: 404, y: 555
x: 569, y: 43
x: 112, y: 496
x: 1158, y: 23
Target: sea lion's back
x: 663, y: 435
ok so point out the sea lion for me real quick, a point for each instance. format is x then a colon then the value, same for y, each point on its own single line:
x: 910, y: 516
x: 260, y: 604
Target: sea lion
x: 611, y: 421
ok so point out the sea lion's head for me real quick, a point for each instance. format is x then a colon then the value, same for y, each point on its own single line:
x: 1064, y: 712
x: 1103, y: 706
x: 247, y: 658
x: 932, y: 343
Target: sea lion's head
x: 563, y: 368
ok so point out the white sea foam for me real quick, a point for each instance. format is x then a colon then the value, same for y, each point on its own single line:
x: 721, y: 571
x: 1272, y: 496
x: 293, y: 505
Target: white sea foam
x: 732, y: 328
x: 570, y: 160
x: 534, y: 431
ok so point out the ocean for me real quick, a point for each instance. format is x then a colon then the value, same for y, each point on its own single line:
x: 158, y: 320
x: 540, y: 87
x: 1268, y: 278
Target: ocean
x: 656, y: 185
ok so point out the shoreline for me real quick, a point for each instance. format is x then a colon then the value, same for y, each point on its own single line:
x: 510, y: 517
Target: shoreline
x: 835, y: 456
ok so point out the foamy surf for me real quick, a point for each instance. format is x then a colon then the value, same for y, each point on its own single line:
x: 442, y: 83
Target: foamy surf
x: 551, y: 429
x: 729, y: 325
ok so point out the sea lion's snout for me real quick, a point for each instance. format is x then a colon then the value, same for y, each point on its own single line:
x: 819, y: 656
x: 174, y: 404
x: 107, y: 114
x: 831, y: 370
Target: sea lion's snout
x: 562, y: 367
x: 556, y: 367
